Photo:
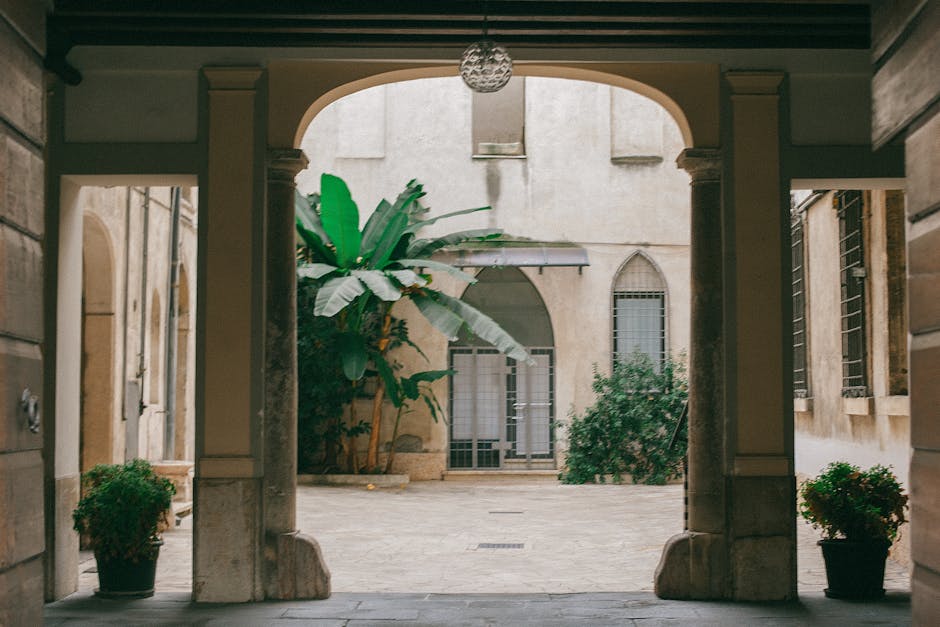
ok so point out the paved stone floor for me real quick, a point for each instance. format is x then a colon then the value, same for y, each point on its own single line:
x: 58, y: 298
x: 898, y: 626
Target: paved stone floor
x: 414, y: 554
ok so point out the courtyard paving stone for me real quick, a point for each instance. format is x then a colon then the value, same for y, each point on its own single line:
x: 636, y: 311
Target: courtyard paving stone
x: 410, y: 556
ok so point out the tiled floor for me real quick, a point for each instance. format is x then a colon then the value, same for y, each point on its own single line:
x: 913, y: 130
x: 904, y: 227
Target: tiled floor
x: 426, y: 538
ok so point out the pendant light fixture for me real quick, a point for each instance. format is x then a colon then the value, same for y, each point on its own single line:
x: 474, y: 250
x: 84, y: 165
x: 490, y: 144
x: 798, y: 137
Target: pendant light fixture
x: 485, y: 66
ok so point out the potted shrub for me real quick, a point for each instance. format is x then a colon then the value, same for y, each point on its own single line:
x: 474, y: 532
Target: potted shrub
x: 121, y: 512
x: 859, y: 513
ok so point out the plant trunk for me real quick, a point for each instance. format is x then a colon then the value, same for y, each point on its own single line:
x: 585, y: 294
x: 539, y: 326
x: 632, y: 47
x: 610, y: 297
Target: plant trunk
x: 372, y: 457
x: 352, y: 459
x: 391, y: 449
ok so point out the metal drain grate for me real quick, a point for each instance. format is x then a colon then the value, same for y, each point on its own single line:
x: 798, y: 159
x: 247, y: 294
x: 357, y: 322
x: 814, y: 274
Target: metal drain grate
x: 501, y: 545
x: 505, y: 512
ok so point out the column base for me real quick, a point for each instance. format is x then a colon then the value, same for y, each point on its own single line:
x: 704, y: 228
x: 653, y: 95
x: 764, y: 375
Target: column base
x: 693, y: 566
x: 295, y: 568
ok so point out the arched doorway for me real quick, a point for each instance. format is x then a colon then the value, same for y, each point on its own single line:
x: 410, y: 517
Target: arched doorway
x: 502, y: 411
x: 97, y: 380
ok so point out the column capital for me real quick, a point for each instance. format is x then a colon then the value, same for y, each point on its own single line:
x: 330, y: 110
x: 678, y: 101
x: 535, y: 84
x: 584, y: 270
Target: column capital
x: 285, y: 163
x: 702, y: 164
x: 754, y: 83
x: 222, y: 78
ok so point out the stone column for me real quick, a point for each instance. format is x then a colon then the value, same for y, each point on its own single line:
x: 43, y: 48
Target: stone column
x: 694, y: 563
x: 760, y: 494
x: 706, y: 363
x: 227, y: 548
x: 294, y: 566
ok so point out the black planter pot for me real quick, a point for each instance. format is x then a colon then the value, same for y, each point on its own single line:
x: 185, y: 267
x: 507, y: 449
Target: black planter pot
x: 855, y: 570
x: 125, y: 579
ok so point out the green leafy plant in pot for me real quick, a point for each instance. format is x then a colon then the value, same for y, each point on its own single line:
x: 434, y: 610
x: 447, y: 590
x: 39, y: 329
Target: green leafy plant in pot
x: 859, y: 513
x: 121, y: 512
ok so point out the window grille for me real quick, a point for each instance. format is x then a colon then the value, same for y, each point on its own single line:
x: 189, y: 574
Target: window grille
x: 639, y: 311
x: 852, y: 265
x: 499, y: 408
x: 800, y: 346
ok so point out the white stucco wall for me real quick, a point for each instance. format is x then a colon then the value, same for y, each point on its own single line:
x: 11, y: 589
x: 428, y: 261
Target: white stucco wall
x: 567, y: 188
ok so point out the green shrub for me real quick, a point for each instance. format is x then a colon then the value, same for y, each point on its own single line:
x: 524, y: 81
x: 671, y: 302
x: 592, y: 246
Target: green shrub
x: 846, y: 502
x: 628, y: 428
x: 322, y: 391
x: 122, y: 508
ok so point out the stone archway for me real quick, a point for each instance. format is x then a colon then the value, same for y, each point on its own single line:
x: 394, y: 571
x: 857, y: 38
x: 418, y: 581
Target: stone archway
x: 97, y: 364
x: 741, y: 439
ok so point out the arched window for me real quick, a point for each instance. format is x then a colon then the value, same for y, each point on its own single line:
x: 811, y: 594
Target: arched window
x: 639, y: 306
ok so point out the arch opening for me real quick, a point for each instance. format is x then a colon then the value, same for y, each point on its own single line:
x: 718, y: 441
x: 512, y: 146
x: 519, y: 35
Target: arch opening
x: 97, y: 361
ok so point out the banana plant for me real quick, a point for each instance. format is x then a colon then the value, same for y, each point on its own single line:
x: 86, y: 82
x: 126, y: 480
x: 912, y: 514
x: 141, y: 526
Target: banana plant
x: 359, y: 272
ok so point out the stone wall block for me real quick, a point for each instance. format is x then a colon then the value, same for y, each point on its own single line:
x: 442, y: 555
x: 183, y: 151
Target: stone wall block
x: 226, y: 539
x: 925, y: 508
x: 922, y: 161
x: 21, y: 183
x: 906, y: 83
x: 22, y: 535
x: 925, y: 596
x: 21, y: 85
x: 21, y: 593
x: 925, y: 398
x: 20, y: 284
x: 20, y: 367
x: 757, y: 564
x: 924, y: 278
x: 763, y: 506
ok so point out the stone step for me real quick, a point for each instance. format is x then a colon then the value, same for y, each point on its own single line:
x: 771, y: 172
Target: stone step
x: 501, y: 475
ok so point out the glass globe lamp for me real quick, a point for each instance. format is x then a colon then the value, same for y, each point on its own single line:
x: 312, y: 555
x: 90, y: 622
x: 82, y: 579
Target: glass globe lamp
x: 485, y: 67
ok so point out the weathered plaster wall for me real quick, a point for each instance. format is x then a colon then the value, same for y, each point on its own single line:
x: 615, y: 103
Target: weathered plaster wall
x: 834, y: 428
x: 22, y: 227
x: 865, y: 431
x: 565, y: 189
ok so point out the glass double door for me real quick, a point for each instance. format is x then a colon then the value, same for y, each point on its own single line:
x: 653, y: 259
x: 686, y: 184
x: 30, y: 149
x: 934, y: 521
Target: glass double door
x: 501, y: 411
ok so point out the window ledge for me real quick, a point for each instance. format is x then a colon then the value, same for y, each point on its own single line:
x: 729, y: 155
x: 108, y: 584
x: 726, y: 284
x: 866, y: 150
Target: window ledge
x: 498, y: 157
x: 803, y: 405
x: 858, y: 406
x: 899, y: 405
x: 636, y: 160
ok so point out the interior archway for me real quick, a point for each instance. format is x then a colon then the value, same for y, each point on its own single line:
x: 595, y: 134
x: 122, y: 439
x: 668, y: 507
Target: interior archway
x: 97, y: 380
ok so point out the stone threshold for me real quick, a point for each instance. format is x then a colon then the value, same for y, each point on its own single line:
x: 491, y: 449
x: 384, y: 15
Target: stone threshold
x: 500, y: 475
x: 376, y: 481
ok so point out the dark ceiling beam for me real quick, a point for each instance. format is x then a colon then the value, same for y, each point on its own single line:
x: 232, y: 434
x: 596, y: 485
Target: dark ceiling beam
x: 809, y: 24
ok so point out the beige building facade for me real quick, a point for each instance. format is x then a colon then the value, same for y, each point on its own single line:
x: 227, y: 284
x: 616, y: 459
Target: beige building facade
x: 138, y: 311
x: 850, y: 334
x: 820, y: 99
x: 599, y: 212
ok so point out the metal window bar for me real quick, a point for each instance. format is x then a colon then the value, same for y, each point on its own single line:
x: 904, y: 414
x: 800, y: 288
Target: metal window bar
x: 640, y: 324
x: 852, y: 274
x: 797, y: 249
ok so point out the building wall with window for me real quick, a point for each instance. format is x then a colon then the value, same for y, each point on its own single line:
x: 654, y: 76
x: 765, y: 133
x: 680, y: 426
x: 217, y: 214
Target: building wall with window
x: 564, y: 163
x: 850, y: 332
